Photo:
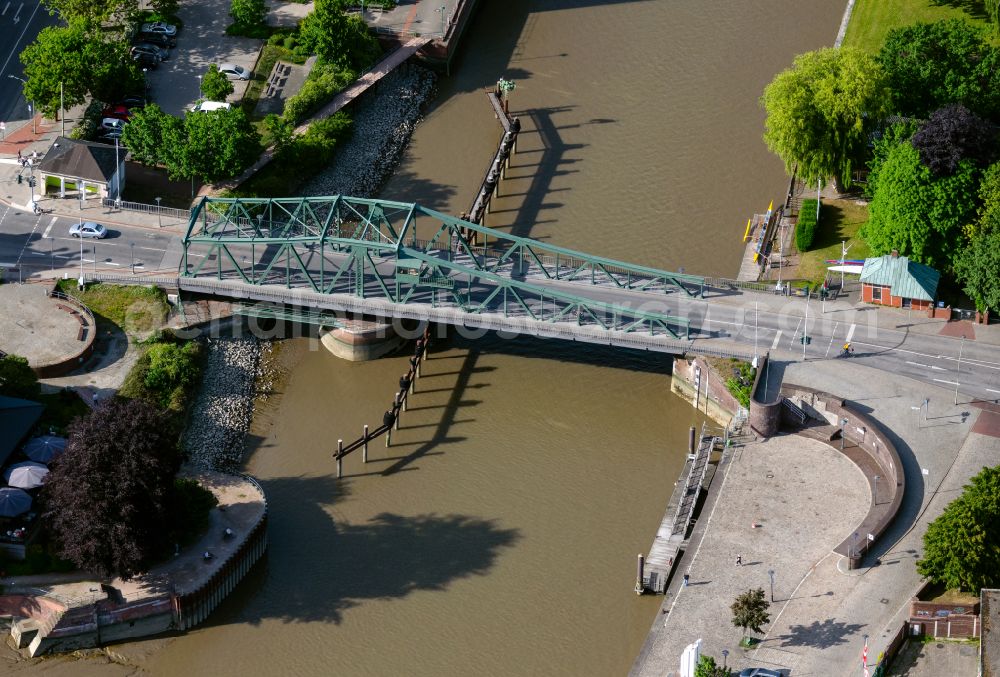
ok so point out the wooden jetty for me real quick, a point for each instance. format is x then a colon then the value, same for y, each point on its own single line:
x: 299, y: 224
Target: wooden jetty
x: 669, y: 540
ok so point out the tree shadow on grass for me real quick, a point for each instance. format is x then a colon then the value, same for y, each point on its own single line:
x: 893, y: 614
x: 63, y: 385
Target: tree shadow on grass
x: 319, y: 567
x: 974, y: 8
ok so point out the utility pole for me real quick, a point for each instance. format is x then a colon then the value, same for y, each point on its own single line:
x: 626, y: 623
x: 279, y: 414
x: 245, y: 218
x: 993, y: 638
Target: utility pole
x: 958, y: 371
x: 62, y: 110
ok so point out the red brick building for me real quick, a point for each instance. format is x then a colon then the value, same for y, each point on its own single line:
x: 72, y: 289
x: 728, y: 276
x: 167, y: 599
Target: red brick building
x: 894, y: 280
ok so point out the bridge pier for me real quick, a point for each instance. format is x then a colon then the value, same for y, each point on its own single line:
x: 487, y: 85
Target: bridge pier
x: 362, y: 340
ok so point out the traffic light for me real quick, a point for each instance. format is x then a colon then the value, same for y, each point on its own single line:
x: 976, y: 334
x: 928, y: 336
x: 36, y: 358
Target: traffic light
x: 31, y: 181
x: 20, y: 179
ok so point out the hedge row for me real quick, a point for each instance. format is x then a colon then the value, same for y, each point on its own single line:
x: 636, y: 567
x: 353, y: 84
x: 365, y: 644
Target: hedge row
x: 805, y: 230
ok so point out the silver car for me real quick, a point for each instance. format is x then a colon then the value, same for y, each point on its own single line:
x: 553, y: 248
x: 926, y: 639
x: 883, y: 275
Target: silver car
x: 160, y: 27
x: 231, y: 70
x: 88, y: 229
x: 759, y: 672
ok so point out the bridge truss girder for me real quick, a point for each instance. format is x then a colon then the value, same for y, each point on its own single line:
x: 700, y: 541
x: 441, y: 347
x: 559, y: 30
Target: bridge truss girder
x: 369, y: 248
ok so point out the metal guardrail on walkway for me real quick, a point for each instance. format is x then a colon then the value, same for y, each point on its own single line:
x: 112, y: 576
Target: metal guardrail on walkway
x: 168, y: 212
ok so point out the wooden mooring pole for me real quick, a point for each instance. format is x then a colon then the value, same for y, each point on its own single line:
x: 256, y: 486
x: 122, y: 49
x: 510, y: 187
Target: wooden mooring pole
x: 691, y: 436
x: 340, y: 461
x: 640, y: 567
x: 364, y: 449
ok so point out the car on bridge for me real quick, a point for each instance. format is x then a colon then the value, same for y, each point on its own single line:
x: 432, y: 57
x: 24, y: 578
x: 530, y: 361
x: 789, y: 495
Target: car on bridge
x: 88, y: 229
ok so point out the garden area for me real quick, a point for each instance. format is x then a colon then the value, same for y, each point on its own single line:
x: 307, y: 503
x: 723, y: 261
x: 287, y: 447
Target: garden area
x: 914, y: 112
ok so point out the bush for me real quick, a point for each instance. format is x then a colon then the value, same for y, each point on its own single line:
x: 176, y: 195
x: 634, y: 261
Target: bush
x: 243, y: 30
x: 805, y: 229
x: 322, y: 84
x: 17, y: 379
x: 86, y: 129
x: 215, y: 85
x: 740, y: 384
x: 313, y: 150
x: 190, y: 508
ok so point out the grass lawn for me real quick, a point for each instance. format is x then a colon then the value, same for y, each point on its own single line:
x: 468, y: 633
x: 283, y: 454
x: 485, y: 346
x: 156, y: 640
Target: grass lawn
x: 872, y: 19
x: 839, y: 220
x: 137, y: 310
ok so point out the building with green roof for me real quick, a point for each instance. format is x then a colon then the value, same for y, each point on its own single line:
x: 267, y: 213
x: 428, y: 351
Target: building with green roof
x: 894, y: 280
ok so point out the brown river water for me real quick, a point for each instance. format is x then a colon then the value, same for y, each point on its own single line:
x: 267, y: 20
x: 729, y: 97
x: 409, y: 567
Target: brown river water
x: 498, y: 535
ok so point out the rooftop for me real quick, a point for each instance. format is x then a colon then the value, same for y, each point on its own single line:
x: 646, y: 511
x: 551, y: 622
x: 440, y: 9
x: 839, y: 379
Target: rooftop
x: 906, y: 278
x: 81, y: 159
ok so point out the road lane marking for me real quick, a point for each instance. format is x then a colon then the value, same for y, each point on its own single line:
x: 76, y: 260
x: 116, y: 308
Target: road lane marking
x: 17, y: 14
x: 940, y: 380
x: 18, y: 41
x: 927, y: 366
x: 792, y: 339
x: 6, y: 7
x: 49, y: 228
x: 833, y: 335
x: 777, y: 337
x: 850, y: 333
x: 990, y: 390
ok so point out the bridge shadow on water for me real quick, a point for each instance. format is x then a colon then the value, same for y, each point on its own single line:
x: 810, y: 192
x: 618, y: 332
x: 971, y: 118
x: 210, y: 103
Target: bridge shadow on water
x: 318, y: 568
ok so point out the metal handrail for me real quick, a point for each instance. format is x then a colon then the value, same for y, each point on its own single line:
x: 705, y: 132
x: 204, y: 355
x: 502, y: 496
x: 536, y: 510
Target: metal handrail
x: 56, y: 294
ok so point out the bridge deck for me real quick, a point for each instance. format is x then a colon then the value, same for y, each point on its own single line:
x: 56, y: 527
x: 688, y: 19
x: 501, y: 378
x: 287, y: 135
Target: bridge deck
x: 670, y: 536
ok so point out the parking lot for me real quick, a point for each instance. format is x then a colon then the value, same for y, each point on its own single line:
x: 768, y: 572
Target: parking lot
x: 202, y: 41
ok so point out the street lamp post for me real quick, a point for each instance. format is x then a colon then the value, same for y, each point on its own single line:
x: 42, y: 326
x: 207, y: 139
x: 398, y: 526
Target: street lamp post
x: 958, y: 371
x: 725, y: 658
x: 31, y: 106
x: 875, y: 491
x: 52, y: 253
x: 843, y: 432
x: 118, y: 176
x: 770, y: 573
x: 159, y: 218
x: 854, y: 545
x: 81, y: 255
x: 131, y: 246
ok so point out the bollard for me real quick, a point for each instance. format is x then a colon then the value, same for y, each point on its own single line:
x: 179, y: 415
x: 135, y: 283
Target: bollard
x: 640, y: 566
x: 364, y: 449
x: 403, y: 398
x: 691, y: 436
x: 340, y: 461
x: 395, y: 408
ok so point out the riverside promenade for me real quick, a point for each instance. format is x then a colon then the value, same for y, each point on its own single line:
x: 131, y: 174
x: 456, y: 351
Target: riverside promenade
x: 807, y: 499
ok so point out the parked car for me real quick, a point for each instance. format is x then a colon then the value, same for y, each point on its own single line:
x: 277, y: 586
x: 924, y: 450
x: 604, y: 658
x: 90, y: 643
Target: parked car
x: 147, y: 61
x: 146, y: 48
x: 88, y: 229
x: 159, y: 27
x: 210, y: 105
x: 111, y: 136
x: 231, y: 70
x: 759, y: 672
x: 116, y: 111
x: 112, y: 123
x: 158, y: 39
x: 133, y: 101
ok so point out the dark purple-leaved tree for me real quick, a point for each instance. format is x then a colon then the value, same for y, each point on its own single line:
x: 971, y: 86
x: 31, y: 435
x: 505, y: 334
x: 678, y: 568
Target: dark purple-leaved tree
x: 106, y: 497
x: 952, y: 134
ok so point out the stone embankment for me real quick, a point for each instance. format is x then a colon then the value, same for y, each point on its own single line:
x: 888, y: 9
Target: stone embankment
x: 384, y: 120
x: 234, y: 374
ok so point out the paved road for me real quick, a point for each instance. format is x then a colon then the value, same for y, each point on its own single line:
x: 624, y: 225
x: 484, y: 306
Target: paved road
x: 20, y: 23
x: 33, y: 243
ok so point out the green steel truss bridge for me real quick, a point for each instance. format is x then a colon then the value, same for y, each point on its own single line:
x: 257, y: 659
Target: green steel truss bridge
x: 299, y: 258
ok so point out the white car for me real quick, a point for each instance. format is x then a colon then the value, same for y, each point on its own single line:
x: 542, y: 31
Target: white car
x: 210, y: 106
x: 112, y: 123
x: 231, y: 70
x: 159, y: 27
x: 88, y: 229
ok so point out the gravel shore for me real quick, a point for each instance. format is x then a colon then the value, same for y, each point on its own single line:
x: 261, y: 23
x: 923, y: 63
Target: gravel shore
x: 384, y: 120
x: 234, y: 373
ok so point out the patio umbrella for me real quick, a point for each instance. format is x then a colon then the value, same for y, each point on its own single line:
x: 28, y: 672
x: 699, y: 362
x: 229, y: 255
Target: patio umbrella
x: 27, y: 475
x: 44, y: 449
x: 14, y: 502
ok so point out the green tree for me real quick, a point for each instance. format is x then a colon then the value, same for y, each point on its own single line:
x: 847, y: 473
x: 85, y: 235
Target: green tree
x: 91, y: 10
x: 962, y: 546
x: 992, y: 8
x: 147, y: 132
x: 750, y: 611
x: 989, y: 197
x: 930, y: 65
x: 977, y: 267
x: 17, y: 379
x: 915, y: 212
x: 338, y: 38
x: 211, y: 145
x: 171, y: 366
x: 707, y: 668
x: 248, y: 13
x: 820, y: 111
x: 215, y: 85
x: 165, y: 7
x: 282, y: 133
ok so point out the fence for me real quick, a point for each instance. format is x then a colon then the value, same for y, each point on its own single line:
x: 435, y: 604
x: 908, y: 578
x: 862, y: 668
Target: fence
x: 169, y: 212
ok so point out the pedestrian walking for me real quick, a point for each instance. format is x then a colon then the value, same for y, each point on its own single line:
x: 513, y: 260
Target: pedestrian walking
x: 739, y: 560
x: 34, y: 155
x: 687, y: 577
x: 19, y: 158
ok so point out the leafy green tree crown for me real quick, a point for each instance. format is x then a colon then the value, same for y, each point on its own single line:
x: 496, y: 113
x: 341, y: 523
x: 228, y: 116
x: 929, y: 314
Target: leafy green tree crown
x: 820, y: 111
x: 215, y: 85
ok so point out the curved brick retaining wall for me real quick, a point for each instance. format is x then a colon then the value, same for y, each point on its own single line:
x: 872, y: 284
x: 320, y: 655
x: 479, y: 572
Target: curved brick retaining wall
x: 871, y: 451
